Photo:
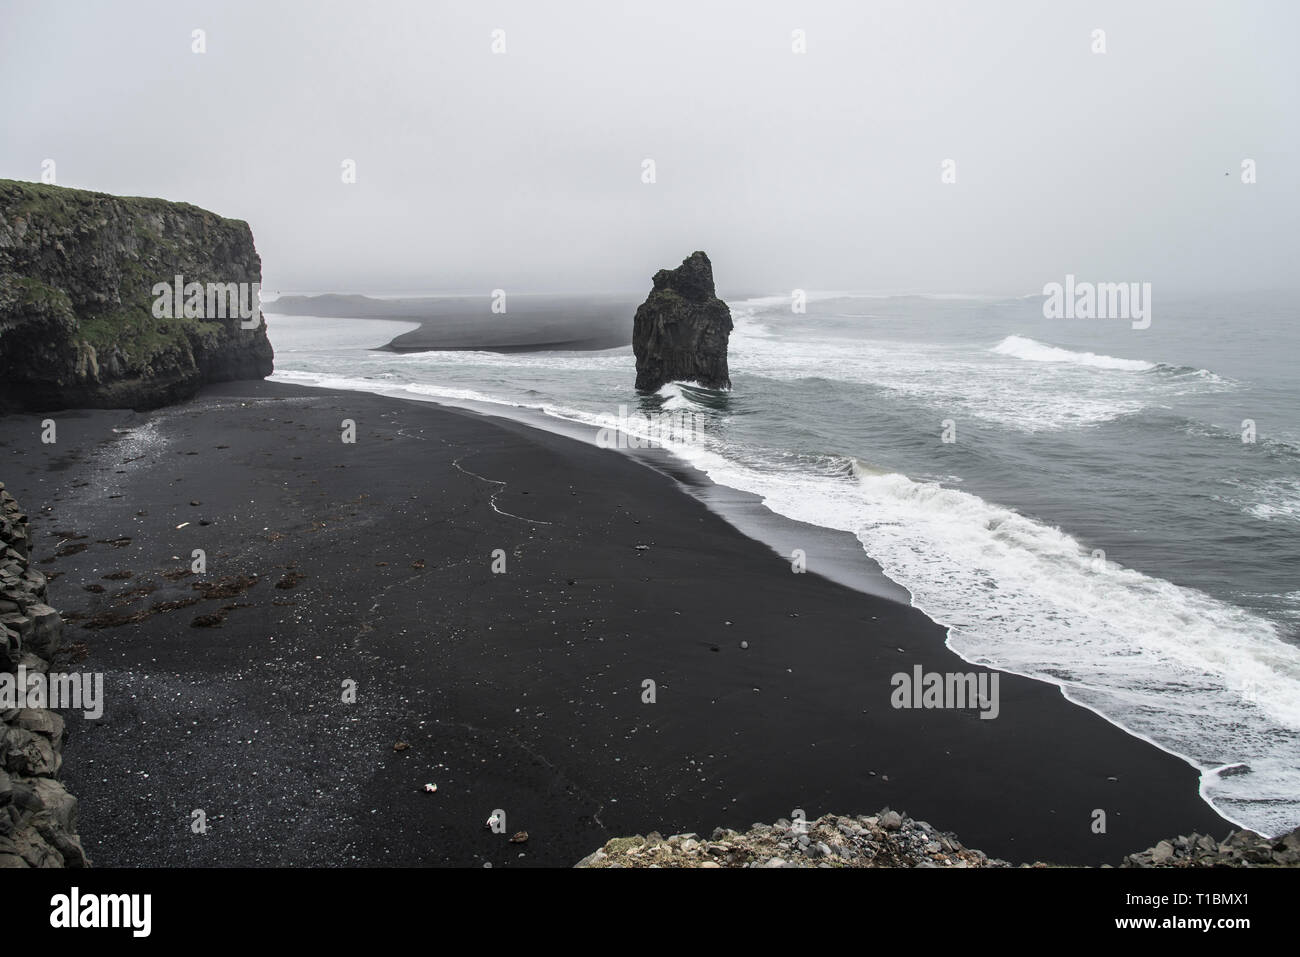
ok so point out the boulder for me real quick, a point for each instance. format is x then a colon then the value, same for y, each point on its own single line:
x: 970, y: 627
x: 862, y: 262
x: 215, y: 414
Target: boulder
x: 46, y: 631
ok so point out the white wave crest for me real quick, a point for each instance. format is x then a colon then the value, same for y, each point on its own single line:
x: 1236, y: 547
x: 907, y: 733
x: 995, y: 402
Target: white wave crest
x: 674, y: 398
x: 1032, y: 350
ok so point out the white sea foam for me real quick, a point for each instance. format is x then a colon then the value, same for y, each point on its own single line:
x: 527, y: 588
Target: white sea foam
x: 1274, y: 500
x: 447, y: 395
x: 1031, y: 349
x: 1200, y: 678
x: 675, y: 399
x: 951, y: 380
x: 387, y: 387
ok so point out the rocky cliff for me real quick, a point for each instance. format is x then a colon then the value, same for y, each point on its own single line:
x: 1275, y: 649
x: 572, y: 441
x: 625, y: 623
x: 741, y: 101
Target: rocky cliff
x: 38, y: 817
x: 84, y: 317
x: 680, y: 332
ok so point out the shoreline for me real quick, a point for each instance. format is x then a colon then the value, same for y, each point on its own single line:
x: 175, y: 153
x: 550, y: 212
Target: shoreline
x: 845, y: 561
x: 542, y: 721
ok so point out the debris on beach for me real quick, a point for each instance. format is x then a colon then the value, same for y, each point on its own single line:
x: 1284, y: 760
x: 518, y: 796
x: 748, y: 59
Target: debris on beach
x: 290, y: 579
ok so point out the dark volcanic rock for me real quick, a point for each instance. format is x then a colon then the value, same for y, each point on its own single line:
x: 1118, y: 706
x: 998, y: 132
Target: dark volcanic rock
x: 890, y: 839
x: 38, y: 817
x: 884, y: 839
x: 77, y: 277
x: 680, y: 332
x: 1238, y: 849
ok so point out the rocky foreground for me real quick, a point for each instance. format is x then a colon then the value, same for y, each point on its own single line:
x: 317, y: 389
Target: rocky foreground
x: 38, y: 817
x: 891, y: 839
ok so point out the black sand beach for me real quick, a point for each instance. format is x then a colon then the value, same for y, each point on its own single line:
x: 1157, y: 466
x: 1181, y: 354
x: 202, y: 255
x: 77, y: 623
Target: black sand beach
x: 520, y: 691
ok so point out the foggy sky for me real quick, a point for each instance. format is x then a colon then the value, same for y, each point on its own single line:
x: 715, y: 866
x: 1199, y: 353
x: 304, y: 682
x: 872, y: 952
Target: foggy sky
x: 817, y: 171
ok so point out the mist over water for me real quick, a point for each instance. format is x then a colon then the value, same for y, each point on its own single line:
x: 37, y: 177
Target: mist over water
x: 1097, y: 522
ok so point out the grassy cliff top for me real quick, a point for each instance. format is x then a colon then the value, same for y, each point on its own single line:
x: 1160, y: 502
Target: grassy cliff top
x: 56, y: 203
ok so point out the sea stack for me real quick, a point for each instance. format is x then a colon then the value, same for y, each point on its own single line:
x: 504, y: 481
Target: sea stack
x: 114, y: 302
x: 680, y: 332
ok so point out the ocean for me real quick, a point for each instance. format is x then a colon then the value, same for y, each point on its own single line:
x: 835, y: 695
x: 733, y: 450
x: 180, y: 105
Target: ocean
x: 1112, y: 509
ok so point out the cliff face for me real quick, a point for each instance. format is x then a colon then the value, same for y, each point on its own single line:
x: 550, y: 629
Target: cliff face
x: 681, y: 331
x: 83, y: 322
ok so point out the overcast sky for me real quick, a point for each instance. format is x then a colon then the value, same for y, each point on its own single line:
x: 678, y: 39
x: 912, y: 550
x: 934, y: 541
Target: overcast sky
x: 523, y: 170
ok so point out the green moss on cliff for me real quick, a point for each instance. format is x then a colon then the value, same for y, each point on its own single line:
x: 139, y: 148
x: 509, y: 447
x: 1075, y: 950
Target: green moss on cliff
x: 38, y: 296
x: 65, y: 206
x: 78, y: 271
x: 136, y: 333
